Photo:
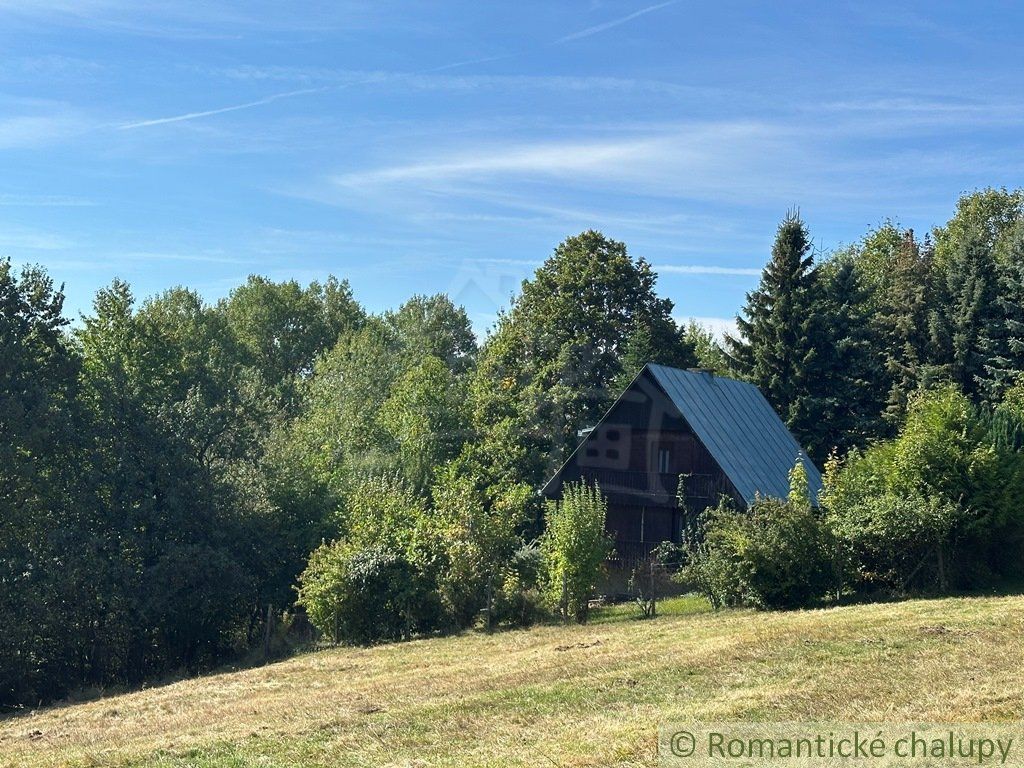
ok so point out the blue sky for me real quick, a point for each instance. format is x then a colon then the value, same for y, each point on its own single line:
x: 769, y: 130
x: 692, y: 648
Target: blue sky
x: 426, y: 146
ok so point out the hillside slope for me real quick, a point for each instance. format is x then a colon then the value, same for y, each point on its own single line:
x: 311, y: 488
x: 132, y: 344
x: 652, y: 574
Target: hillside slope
x: 576, y: 696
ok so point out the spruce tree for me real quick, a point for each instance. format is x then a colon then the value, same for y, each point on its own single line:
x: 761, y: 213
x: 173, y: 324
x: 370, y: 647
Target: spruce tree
x: 902, y: 323
x: 854, y: 400
x: 782, y: 336
x: 1005, y: 363
x: 966, y: 323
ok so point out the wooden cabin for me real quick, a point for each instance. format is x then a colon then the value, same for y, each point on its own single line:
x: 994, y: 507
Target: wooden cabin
x: 681, y: 435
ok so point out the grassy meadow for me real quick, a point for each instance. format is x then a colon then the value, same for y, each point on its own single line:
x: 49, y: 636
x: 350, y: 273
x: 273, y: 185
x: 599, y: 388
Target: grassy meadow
x: 562, y: 696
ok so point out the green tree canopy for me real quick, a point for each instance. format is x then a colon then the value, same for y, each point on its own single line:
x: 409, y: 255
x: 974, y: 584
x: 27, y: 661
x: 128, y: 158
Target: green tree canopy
x: 549, y: 368
x: 281, y: 328
x: 985, y: 218
x: 432, y: 326
x: 966, y: 324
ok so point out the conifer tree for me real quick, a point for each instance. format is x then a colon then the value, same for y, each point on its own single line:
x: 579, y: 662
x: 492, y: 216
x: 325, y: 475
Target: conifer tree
x: 781, y: 336
x: 965, y: 322
x: 853, y: 400
x: 902, y: 322
x: 1005, y: 364
x: 663, y: 344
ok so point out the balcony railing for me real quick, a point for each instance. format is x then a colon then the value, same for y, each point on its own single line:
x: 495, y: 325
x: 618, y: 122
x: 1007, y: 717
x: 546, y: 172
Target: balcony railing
x: 652, y: 483
x: 632, y: 552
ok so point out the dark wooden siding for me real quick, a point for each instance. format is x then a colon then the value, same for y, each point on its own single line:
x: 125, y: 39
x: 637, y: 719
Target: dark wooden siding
x: 622, y: 456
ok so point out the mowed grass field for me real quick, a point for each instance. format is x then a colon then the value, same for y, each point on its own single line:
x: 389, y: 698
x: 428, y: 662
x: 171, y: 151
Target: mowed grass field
x: 562, y: 696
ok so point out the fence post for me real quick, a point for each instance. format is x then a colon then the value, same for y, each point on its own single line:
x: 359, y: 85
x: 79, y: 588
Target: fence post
x: 654, y: 590
x: 266, y: 631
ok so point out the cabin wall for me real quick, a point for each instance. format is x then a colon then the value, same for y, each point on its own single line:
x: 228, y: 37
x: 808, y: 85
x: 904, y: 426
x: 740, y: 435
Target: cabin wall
x: 638, y: 454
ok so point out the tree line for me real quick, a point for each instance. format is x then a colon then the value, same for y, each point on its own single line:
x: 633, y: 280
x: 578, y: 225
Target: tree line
x: 897, y: 361
x: 173, y: 471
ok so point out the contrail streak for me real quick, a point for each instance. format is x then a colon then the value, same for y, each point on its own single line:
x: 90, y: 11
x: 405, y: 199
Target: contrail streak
x: 613, y: 23
x: 219, y: 111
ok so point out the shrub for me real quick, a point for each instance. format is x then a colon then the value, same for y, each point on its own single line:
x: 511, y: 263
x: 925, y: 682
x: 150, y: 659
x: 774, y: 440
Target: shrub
x: 365, y: 595
x: 937, y: 507
x: 378, y: 580
x: 520, y: 602
x: 779, y: 554
x: 652, y: 577
x: 574, y: 547
x: 476, y: 536
x: 897, y: 541
x: 713, y: 557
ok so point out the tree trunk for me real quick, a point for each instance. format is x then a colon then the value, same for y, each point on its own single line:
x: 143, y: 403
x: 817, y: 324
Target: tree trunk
x: 943, y: 584
x: 490, y: 600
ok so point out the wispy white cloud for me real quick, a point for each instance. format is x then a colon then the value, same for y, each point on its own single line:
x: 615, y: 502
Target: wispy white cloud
x: 44, y: 201
x: 52, y: 67
x: 427, y: 78
x: 645, y: 217
x: 176, y: 20
x: 22, y: 239
x: 202, y: 258
x: 26, y: 131
x: 471, y: 62
x: 430, y: 80
x: 706, y: 269
x: 191, y: 19
x: 776, y: 161
x: 614, y: 22
x: 338, y: 79
x: 711, y: 160
x: 552, y: 159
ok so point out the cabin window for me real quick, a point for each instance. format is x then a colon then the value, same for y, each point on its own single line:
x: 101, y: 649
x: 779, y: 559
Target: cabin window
x: 612, y: 435
x: 664, y: 460
x: 612, y: 453
x: 592, y: 452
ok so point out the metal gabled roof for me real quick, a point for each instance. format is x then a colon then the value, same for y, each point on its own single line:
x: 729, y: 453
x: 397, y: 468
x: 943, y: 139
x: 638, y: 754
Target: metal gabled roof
x: 739, y: 428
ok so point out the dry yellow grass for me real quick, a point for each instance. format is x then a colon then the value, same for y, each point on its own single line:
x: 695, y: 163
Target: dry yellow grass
x: 567, y: 696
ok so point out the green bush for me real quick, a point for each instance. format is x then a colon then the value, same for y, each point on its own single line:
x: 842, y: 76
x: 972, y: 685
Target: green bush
x: 378, y: 580
x: 574, y: 547
x: 475, y: 530
x: 366, y: 595
x: 520, y: 601
x: 937, y: 507
x: 713, y: 564
x: 779, y: 554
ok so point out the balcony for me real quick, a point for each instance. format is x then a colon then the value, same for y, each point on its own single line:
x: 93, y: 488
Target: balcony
x: 631, y: 553
x: 653, y: 485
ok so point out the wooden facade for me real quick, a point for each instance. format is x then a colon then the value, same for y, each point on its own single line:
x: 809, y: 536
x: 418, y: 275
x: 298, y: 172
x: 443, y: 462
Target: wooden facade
x: 646, y: 459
